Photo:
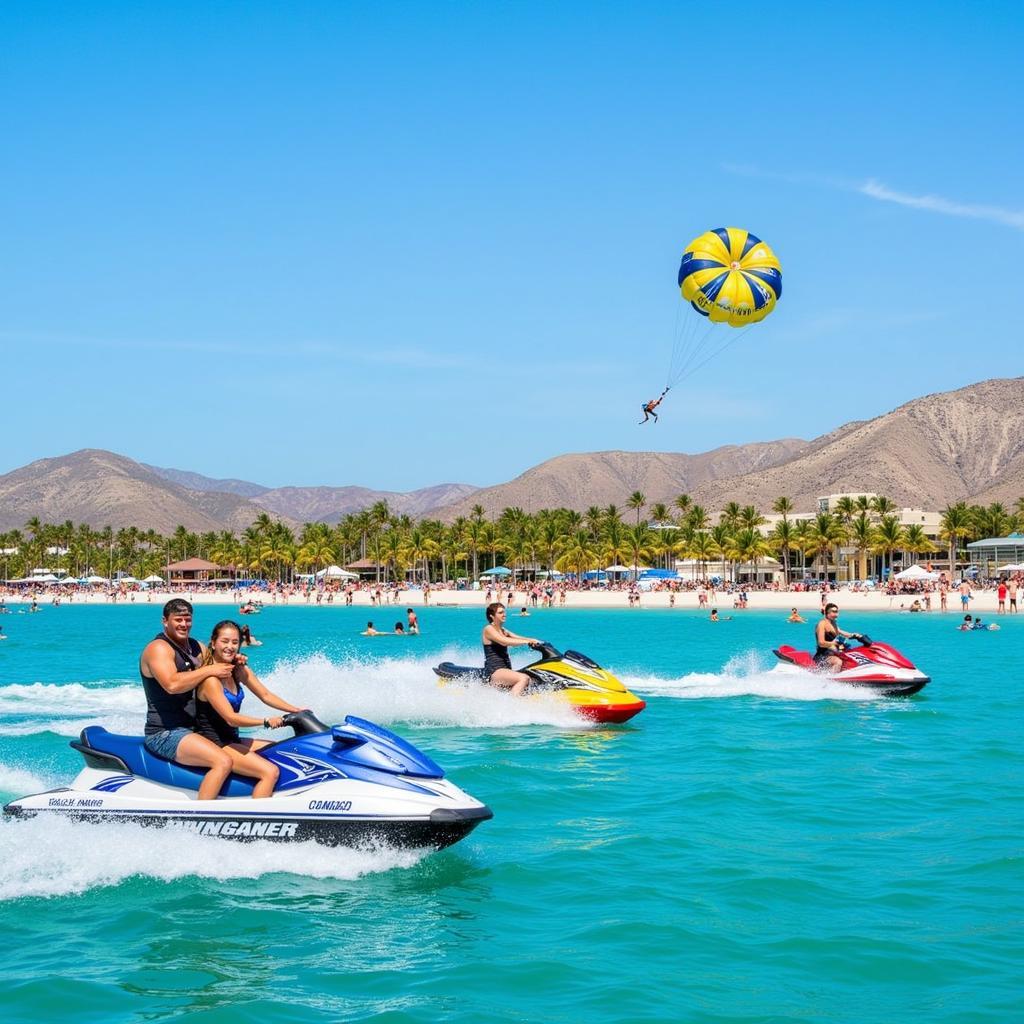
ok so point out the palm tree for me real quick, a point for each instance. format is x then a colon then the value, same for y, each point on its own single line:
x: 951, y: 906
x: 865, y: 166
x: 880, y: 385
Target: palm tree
x: 682, y: 505
x: 915, y: 541
x: 956, y: 524
x: 883, y: 506
x: 721, y: 535
x: 636, y: 501
x: 579, y: 554
x: 697, y: 518
x: 783, y: 506
x: 889, y: 536
x: 640, y: 539
x: 614, y: 543
x: 702, y: 549
x: 660, y: 514
x: 782, y: 538
x: 749, y: 545
x: 826, y: 532
x: 730, y: 514
x: 862, y: 534
x: 749, y: 518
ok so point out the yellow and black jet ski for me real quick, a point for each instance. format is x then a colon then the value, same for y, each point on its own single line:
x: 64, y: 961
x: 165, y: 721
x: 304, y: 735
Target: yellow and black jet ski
x: 592, y: 691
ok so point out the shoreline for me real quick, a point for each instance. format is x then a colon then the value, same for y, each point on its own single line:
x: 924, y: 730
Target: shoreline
x: 982, y: 602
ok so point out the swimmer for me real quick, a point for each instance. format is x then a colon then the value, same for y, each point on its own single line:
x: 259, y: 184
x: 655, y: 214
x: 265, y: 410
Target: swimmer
x: 795, y: 616
x: 522, y: 612
x: 400, y: 629
x: 370, y: 631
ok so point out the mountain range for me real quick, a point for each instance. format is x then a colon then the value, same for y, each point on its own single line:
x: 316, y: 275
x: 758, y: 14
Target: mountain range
x: 966, y: 444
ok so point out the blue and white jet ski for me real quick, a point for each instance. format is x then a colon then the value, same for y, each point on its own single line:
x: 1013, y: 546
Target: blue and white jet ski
x: 351, y: 784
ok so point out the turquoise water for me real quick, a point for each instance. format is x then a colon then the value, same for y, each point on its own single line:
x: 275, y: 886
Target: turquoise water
x: 752, y: 848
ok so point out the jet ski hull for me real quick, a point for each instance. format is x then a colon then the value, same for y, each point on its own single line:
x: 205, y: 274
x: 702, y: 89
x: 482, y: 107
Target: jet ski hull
x: 351, y: 785
x: 877, y: 668
x: 591, y: 692
x: 265, y: 820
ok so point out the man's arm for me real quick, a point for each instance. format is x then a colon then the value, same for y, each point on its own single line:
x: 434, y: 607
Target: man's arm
x: 159, y: 659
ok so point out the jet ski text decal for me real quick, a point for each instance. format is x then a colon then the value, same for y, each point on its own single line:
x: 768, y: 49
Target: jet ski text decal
x: 269, y: 829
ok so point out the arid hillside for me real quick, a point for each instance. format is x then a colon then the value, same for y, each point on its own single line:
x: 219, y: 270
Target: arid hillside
x: 956, y: 445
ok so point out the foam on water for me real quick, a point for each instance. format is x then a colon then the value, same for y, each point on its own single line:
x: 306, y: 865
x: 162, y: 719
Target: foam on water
x: 746, y: 675
x: 406, y: 690
x: 17, y: 781
x: 389, y: 690
x: 57, y: 857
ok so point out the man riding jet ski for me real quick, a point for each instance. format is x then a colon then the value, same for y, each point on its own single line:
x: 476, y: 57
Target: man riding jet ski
x: 874, y: 666
x: 571, y: 677
x: 345, y: 785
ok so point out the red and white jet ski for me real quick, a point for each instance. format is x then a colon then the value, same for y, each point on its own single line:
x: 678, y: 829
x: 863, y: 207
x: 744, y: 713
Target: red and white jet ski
x: 872, y: 666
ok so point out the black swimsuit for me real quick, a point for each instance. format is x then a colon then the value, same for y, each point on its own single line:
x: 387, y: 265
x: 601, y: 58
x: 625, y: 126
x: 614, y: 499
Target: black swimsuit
x: 822, y: 654
x: 495, y: 657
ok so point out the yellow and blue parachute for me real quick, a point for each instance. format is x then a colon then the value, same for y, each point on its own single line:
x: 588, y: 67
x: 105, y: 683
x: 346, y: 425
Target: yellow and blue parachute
x: 730, y: 277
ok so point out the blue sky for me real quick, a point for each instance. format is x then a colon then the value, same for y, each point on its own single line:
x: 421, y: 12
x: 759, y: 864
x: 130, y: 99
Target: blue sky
x: 400, y: 244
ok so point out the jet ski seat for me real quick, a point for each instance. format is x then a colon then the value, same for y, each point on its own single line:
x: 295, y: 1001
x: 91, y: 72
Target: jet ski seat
x: 449, y: 670
x: 107, y: 750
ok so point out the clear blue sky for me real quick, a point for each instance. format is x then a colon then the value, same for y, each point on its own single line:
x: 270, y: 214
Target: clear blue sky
x: 287, y: 242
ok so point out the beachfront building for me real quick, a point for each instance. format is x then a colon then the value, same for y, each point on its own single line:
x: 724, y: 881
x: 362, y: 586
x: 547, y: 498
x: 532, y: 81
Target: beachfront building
x: 192, y: 570
x: 987, y: 556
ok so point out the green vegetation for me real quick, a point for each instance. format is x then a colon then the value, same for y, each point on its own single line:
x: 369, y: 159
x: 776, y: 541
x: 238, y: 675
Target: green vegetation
x: 551, y: 538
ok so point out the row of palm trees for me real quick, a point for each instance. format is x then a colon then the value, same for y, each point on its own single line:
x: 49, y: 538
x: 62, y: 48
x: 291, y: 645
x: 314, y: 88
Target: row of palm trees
x: 561, y: 539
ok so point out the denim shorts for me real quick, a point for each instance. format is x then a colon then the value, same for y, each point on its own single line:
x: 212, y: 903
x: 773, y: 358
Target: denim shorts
x: 165, y: 744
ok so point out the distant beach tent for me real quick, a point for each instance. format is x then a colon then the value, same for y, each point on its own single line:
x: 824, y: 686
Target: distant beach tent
x: 498, y: 570
x: 617, y: 568
x: 96, y: 580
x: 916, y: 572
x: 658, y: 574
x: 153, y: 579
x: 335, y: 572
x: 1010, y: 568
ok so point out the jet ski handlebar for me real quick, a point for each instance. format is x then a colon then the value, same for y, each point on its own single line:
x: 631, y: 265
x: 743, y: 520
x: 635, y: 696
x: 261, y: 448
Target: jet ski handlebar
x: 305, y: 723
x: 546, y: 649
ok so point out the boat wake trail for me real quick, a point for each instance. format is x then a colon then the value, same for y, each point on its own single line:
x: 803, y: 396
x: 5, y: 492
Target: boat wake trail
x: 388, y: 691
x: 405, y: 690
x: 747, y: 675
x: 58, y: 857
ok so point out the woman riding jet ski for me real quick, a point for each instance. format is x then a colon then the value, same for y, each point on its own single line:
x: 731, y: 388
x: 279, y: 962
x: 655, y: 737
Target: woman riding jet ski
x: 571, y: 677
x: 343, y: 786
x: 874, y: 666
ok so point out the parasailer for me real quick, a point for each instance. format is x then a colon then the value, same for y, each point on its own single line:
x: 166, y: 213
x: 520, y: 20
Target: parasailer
x: 649, y: 407
x: 731, y: 278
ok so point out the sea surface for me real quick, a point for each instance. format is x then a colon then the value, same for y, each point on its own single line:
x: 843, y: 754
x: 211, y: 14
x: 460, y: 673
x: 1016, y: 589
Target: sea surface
x: 752, y: 848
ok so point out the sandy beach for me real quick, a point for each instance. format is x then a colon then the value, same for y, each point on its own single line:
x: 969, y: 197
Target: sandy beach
x: 808, y: 602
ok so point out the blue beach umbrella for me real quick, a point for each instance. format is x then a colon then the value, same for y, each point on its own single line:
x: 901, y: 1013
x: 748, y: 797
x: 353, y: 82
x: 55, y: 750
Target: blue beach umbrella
x: 498, y: 570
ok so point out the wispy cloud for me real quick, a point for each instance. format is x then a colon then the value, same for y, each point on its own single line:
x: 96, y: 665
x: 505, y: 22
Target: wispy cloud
x: 874, y: 189
x: 939, y: 204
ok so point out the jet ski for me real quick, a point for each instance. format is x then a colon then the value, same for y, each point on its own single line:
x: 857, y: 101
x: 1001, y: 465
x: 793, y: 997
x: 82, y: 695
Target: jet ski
x: 871, y: 665
x: 592, y: 691
x: 342, y: 786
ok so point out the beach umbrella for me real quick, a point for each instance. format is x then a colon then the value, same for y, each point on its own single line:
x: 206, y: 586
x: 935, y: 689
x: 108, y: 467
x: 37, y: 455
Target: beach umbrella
x: 618, y: 568
x: 915, y: 572
x: 498, y: 570
x: 96, y: 579
x: 153, y: 579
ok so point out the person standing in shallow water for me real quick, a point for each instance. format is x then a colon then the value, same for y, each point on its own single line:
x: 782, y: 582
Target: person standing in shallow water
x: 170, y: 669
